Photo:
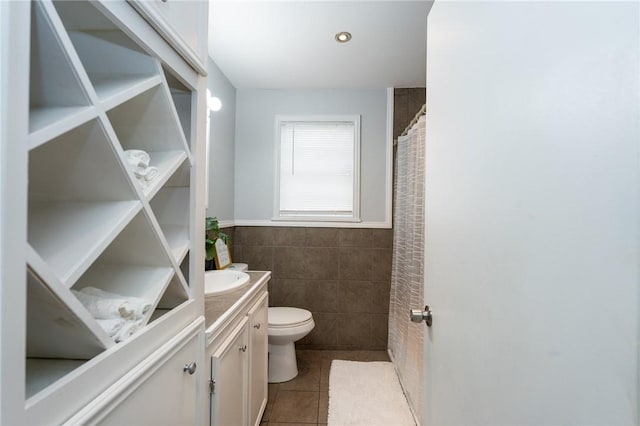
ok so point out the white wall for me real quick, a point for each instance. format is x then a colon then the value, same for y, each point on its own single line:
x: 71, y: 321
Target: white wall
x: 532, y: 237
x: 255, y: 133
x: 221, y: 153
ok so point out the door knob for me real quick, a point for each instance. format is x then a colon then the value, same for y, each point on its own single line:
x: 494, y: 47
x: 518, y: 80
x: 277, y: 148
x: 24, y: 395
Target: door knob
x: 417, y: 315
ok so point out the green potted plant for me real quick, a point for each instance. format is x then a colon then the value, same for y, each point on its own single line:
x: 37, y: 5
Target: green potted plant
x: 212, y: 233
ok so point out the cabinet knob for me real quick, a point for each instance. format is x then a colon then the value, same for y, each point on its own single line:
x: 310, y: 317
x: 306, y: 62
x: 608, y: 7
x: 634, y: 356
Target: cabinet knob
x: 243, y: 348
x: 190, y: 368
x: 256, y: 326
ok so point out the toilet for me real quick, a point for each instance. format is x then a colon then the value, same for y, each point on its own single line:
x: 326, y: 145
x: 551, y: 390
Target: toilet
x: 286, y: 326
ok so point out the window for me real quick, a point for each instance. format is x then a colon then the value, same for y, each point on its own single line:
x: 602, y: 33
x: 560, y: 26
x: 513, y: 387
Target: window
x: 318, y: 168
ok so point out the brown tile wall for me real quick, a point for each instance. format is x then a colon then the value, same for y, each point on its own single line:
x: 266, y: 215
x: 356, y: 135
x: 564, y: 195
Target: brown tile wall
x: 406, y: 103
x: 342, y: 276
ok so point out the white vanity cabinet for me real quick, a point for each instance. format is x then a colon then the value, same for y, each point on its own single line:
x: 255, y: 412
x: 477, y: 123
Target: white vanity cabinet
x: 81, y: 83
x: 238, y: 353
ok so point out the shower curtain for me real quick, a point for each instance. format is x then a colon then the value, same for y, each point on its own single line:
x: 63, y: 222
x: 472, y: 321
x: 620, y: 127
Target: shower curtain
x: 406, y: 337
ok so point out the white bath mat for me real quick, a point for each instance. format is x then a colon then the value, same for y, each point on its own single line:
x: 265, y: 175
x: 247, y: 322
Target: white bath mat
x: 366, y: 394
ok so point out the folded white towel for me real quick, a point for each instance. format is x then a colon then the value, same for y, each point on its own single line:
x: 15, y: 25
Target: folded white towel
x: 138, y: 306
x: 144, y: 184
x: 129, y: 328
x: 111, y: 326
x: 147, y: 174
x: 104, y: 308
x: 136, y: 165
x: 137, y: 157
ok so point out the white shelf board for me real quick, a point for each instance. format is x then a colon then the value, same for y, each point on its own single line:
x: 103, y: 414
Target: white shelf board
x: 147, y: 282
x: 44, y: 372
x: 167, y: 163
x: 69, y: 236
x: 178, y: 239
x: 46, y: 123
x: 113, y: 90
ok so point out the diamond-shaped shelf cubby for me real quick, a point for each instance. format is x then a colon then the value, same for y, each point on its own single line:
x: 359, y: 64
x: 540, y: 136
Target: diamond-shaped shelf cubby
x: 183, y: 100
x: 184, y: 267
x: 168, y: 207
x: 79, y: 199
x: 174, y: 295
x: 135, y: 265
x: 149, y: 123
x: 117, y: 67
x: 57, y: 325
x: 56, y: 93
x: 61, y: 334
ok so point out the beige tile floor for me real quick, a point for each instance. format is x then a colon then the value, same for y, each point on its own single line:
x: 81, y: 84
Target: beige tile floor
x: 305, y: 399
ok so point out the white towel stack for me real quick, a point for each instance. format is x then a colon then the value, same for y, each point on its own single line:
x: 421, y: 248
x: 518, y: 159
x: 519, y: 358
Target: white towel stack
x: 138, y: 305
x: 112, y: 325
x: 139, y: 161
x: 119, y: 316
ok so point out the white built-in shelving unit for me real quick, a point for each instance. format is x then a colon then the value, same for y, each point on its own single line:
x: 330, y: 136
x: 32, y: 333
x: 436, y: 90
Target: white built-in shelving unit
x: 94, y: 92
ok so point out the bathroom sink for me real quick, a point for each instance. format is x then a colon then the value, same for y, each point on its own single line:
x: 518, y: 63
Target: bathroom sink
x: 221, y: 282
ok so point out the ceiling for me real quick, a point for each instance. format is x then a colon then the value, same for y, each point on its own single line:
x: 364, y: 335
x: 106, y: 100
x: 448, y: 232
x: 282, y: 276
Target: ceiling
x: 291, y: 45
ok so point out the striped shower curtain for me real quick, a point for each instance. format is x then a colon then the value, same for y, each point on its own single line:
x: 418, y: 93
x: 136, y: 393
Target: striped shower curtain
x: 406, y: 337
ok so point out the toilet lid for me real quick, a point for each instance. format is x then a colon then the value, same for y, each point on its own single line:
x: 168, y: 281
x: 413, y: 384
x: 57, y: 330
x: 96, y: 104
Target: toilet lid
x: 287, y: 317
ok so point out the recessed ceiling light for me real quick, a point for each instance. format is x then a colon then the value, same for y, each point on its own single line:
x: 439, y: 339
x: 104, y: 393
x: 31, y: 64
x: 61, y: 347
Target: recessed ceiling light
x: 343, y: 37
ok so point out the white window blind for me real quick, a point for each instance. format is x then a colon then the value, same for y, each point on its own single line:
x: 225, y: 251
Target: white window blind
x: 318, y: 169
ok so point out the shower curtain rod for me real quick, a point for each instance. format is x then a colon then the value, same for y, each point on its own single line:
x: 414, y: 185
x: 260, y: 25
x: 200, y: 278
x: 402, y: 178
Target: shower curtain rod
x: 420, y: 113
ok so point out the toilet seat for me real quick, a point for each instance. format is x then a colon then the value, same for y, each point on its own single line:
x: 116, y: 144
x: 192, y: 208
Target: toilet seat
x: 284, y: 317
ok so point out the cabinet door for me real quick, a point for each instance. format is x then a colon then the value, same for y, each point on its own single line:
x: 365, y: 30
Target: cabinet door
x: 258, y: 349
x: 229, y: 370
x: 160, y: 391
x: 182, y: 23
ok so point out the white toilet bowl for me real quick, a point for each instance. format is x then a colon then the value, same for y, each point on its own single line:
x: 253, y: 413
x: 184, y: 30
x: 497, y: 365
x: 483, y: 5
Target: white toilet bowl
x: 286, y: 325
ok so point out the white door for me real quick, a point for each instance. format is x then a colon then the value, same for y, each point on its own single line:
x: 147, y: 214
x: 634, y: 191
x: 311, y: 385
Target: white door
x: 532, y: 213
